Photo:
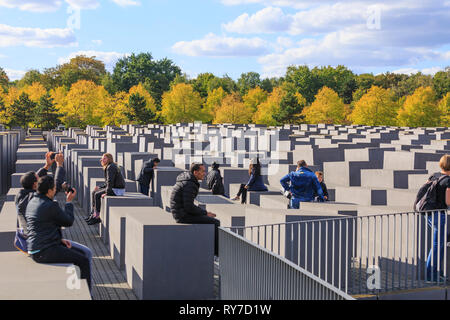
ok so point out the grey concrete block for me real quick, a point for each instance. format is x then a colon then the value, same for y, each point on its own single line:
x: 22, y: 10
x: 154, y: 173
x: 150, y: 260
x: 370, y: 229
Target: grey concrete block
x: 166, y: 260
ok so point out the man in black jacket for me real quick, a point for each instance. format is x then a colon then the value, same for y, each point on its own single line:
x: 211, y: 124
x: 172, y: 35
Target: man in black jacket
x: 146, y: 175
x: 45, y: 219
x: 182, y: 201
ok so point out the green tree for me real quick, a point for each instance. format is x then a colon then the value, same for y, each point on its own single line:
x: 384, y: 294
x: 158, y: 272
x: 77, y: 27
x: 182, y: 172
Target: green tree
x: 441, y: 82
x: 46, y: 115
x: 139, y: 113
x: 201, y: 83
x: 339, y: 79
x: 22, y: 111
x: 407, y: 86
x: 155, y: 75
x: 227, y: 84
x: 248, y: 81
x: 420, y: 109
x: 306, y: 82
x: 30, y: 77
x: 291, y: 106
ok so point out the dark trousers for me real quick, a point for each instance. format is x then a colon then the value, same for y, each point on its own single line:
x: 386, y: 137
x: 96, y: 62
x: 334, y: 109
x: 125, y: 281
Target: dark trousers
x: 62, y: 254
x: 97, y: 199
x: 144, y: 189
x: 205, y: 220
x: 243, y: 192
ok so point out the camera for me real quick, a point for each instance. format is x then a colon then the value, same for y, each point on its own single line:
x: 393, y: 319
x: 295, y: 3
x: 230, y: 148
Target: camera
x: 52, y: 156
x: 67, y: 187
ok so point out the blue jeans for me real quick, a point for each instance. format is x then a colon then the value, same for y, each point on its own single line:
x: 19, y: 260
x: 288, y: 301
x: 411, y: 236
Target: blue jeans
x: 438, y: 229
x: 144, y: 189
x: 294, y: 203
x: 86, y: 251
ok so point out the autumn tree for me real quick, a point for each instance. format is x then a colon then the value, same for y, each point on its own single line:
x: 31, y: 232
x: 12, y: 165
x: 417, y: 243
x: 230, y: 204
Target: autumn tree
x: 84, y: 104
x: 46, y: 115
x: 182, y: 104
x: 4, y: 80
x: 233, y: 110
x: 3, y: 115
x: 116, y: 109
x: 21, y: 111
x: 269, y: 108
x: 327, y: 108
x: 420, y: 109
x: 340, y: 79
x: 377, y: 107
x: 254, y: 98
x: 444, y: 107
x: 213, y: 102
x: 35, y: 91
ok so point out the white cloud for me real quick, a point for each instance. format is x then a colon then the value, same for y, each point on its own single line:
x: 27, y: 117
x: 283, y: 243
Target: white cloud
x: 125, y: 3
x: 216, y: 46
x: 268, y: 20
x: 428, y: 71
x: 14, y: 74
x: 108, y: 58
x: 83, y: 4
x: 36, y: 37
x: 32, y: 5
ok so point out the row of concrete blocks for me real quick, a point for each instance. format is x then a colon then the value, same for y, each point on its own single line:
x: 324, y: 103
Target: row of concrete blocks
x: 9, y: 142
x: 19, y: 274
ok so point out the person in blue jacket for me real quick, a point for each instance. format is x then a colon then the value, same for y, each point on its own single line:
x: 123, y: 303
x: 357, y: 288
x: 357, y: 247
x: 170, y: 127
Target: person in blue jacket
x: 255, y: 183
x: 300, y: 185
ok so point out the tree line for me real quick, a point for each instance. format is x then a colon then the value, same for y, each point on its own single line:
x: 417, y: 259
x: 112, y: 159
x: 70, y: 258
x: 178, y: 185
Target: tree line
x: 142, y: 90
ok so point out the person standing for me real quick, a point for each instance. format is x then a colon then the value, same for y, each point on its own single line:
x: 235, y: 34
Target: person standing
x: 301, y: 185
x: 182, y: 201
x: 146, y: 175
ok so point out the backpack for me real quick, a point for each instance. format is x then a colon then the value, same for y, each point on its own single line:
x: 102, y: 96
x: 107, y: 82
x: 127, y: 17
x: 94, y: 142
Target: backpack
x: 426, y: 198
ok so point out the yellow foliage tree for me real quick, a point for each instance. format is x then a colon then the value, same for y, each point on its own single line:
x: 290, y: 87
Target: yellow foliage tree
x: 267, y: 109
x: 35, y: 91
x: 115, y: 110
x: 420, y: 109
x: 182, y: 104
x: 85, y: 101
x: 151, y: 104
x: 233, y: 110
x: 13, y: 95
x: 377, y: 107
x: 254, y: 98
x: 213, y: 102
x: 327, y: 108
x: 444, y: 107
x: 3, y: 109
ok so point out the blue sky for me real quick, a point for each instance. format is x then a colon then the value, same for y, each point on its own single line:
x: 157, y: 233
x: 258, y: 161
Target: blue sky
x: 229, y: 36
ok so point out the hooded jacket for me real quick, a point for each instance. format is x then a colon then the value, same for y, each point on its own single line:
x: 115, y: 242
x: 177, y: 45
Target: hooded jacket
x: 183, y: 195
x: 44, y: 220
x: 302, y: 184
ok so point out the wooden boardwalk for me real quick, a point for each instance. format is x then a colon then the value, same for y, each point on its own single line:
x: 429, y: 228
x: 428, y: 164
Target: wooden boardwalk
x: 108, y: 283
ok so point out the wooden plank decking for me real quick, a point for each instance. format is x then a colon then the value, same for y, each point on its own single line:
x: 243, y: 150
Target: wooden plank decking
x: 108, y: 283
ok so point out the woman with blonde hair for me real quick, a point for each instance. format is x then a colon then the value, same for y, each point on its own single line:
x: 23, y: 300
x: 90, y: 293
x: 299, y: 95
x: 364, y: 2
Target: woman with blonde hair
x: 114, y: 186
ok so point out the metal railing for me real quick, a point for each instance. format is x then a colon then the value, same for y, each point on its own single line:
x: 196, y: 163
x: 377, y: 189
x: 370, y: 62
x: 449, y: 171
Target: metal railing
x: 364, y: 254
x: 251, y: 272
